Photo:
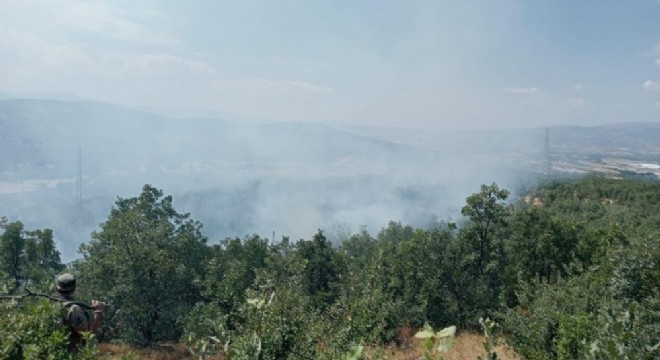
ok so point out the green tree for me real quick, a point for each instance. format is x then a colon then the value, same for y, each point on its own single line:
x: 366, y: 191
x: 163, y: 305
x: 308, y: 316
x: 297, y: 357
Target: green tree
x: 42, y: 259
x: 147, y: 261
x: 320, y: 274
x: 542, y: 246
x: 414, y: 272
x: 488, y: 213
x: 359, y: 248
x: 12, y: 252
x: 232, y: 269
x: 475, y: 258
x: 395, y: 232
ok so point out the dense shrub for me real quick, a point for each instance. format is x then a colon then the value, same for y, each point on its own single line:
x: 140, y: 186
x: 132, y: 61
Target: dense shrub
x: 34, y: 330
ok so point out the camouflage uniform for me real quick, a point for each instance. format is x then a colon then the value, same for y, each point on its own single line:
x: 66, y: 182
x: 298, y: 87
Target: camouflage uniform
x: 76, y: 319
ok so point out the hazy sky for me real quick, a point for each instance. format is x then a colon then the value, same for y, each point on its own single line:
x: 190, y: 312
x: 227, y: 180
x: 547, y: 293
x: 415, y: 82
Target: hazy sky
x: 435, y: 64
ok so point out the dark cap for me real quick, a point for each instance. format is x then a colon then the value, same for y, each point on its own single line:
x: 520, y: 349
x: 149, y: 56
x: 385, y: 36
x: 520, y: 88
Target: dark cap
x: 65, y: 282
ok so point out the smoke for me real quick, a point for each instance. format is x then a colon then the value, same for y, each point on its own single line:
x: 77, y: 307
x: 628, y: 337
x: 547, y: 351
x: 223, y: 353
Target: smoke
x: 287, y: 179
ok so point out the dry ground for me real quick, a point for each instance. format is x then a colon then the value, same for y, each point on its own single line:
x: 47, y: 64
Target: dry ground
x: 466, y: 347
x: 161, y: 352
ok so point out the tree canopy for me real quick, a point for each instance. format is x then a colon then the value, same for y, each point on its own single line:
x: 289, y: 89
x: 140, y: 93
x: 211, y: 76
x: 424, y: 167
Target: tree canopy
x: 573, y: 275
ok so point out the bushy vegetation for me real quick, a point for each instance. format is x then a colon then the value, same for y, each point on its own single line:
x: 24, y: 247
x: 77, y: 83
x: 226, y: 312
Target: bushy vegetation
x: 576, y: 276
x: 35, y: 332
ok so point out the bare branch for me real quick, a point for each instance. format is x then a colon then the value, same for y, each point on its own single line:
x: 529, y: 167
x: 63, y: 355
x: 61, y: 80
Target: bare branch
x: 30, y: 293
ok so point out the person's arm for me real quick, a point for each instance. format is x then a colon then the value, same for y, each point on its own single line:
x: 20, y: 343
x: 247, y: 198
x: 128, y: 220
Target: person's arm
x: 99, y: 308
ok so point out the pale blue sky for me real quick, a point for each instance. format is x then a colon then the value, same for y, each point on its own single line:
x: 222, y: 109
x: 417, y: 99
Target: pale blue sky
x: 430, y: 64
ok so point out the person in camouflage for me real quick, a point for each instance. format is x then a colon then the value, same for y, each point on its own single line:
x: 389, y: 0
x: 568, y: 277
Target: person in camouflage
x: 76, y: 319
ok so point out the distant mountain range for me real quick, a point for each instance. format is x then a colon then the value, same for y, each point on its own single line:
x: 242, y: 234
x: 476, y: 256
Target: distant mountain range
x: 42, y: 137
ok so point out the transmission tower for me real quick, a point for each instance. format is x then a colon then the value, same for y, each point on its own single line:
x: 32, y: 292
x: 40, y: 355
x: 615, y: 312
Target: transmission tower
x: 79, y: 190
x: 548, y: 159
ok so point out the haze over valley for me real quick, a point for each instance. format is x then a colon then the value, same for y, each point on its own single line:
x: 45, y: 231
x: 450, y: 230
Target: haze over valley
x: 278, y: 178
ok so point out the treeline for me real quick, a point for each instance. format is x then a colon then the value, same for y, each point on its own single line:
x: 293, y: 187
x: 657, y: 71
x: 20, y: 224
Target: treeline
x: 571, y: 271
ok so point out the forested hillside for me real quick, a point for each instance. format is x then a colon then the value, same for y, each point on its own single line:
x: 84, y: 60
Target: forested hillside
x: 568, y: 270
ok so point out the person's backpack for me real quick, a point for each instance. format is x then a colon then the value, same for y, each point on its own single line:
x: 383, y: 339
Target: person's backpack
x: 71, y: 310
